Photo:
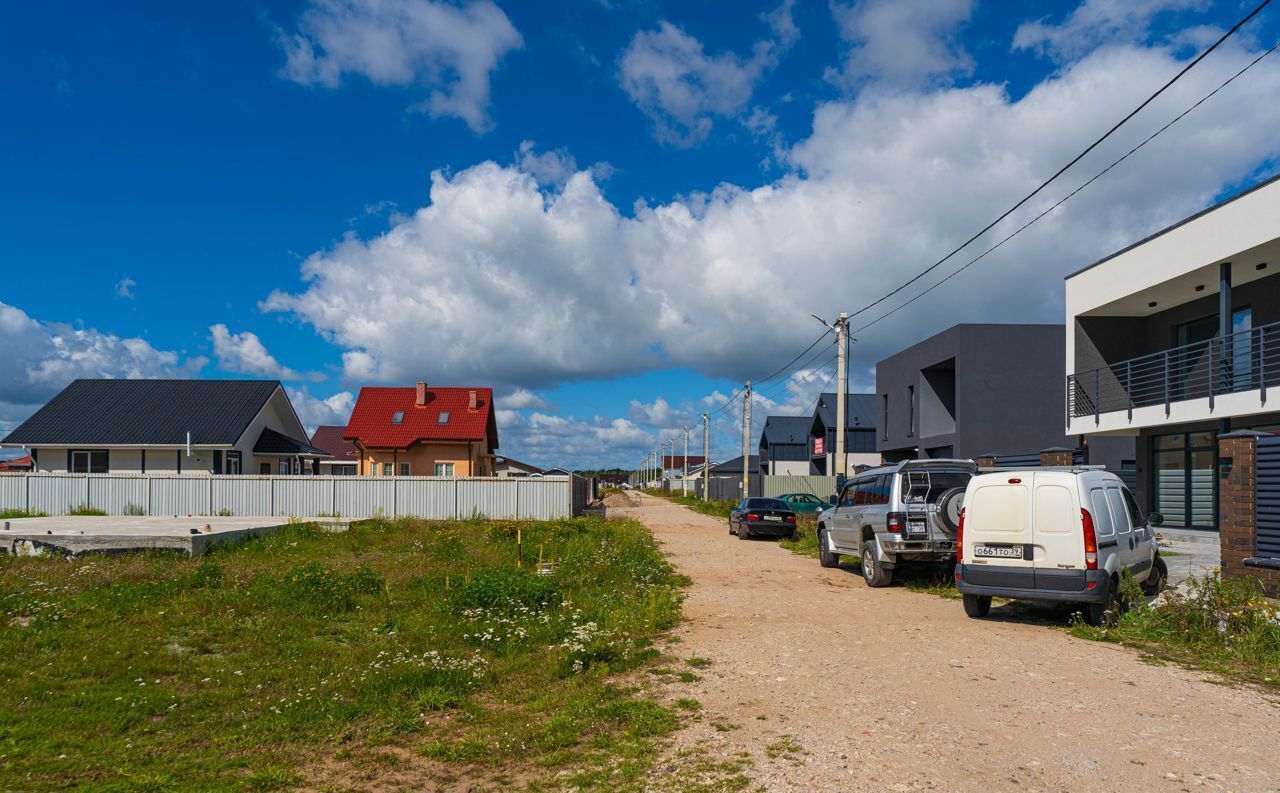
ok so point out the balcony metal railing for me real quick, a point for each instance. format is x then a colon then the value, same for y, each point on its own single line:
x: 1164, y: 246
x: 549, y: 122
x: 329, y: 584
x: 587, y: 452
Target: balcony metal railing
x: 1243, y: 361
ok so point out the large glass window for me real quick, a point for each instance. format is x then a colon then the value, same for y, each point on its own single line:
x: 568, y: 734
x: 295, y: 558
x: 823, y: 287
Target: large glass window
x: 88, y: 461
x: 1184, y: 484
x: 444, y: 469
x: 233, y: 463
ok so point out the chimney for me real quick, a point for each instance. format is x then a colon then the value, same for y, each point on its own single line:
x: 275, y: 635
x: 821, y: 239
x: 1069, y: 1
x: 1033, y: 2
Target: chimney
x: 422, y: 394
x: 471, y: 400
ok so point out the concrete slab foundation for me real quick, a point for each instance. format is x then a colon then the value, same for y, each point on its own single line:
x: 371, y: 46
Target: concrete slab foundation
x: 71, y: 535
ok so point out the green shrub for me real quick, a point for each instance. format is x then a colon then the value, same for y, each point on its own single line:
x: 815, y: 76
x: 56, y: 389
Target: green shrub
x: 132, y: 509
x: 85, y: 509
x: 327, y: 590
x: 505, y: 587
x: 14, y: 514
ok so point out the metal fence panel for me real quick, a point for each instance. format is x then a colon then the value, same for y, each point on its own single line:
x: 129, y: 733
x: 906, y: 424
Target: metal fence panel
x: 242, y: 495
x: 180, y: 495
x: 579, y: 494
x: 13, y: 491
x: 365, y: 497
x: 117, y: 495
x: 1267, y: 497
x: 491, y: 498
x: 540, y: 499
x: 303, y: 496
x: 427, y: 497
x: 56, y: 494
x: 820, y: 486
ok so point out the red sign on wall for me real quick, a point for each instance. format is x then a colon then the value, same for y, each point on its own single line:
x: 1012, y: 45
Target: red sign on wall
x: 818, y: 445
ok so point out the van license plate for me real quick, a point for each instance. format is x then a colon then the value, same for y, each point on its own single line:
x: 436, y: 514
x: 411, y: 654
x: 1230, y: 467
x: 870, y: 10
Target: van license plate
x: 998, y: 551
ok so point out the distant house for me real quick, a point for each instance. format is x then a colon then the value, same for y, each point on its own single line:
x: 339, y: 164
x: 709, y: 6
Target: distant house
x: 343, y: 458
x: 859, y: 439
x: 508, y: 467
x: 557, y: 472
x: 169, y: 427
x: 16, y: 464
x: 421, y: 431
x: 784, y: 445
x: 734, y: 467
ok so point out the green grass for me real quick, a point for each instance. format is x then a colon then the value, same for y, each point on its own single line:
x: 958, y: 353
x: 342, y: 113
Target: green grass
x: 14, y: 514
x: 1220, y: 625
x: 252, y: 667
x: 85, y: 509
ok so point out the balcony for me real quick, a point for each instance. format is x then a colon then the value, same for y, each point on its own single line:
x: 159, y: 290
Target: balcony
x: 1218, y: 378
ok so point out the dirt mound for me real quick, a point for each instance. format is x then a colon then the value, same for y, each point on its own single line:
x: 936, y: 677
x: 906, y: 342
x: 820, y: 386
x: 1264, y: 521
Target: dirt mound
x: 623, y: 499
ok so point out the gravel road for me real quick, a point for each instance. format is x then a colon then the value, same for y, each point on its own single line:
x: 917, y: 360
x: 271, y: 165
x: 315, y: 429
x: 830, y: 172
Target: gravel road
x: 830, y: 685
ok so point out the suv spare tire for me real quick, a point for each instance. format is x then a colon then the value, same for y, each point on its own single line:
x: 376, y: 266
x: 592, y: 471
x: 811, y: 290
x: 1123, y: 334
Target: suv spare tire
x: 949, y: 505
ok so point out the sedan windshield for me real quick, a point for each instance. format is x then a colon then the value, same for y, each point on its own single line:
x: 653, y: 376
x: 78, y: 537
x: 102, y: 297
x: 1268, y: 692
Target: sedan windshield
x: 765, y: 503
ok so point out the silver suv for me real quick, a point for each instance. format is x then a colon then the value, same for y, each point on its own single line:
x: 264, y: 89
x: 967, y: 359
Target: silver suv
x: 908, y: 512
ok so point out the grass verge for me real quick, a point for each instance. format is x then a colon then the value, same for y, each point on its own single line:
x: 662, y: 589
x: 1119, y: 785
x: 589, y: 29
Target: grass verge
x: 314, y: 657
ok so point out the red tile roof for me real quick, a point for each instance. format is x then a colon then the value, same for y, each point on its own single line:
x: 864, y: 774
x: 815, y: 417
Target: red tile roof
x: 371, y: 425
x: 17, y: 464
x: 329, y: 438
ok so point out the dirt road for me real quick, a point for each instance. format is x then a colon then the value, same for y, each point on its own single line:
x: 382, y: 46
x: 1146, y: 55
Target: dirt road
x: 833, y: 686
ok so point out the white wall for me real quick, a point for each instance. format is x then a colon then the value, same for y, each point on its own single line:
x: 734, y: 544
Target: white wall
x: 276, y: 414
x: 789, y: 467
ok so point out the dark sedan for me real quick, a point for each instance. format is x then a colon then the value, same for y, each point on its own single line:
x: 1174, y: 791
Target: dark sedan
x: 762, y: 517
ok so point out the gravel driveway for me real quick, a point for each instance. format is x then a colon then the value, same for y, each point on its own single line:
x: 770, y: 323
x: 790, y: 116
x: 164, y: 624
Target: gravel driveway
x: 830, y: 685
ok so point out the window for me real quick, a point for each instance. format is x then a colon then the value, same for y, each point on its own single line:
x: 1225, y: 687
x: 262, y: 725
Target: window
x: 264, y: 469
x: 911, y: 410
x: 1135, y: 514
x: 846, y: 497
x: 397, y: 417
x: 284, y: 467
x: 883, y: 483
x: 87, y: 462
x: 404, y: 469
x: 233, y: 463
x: 388, y: 469
x: 443, y: 418
x: 444, y: 469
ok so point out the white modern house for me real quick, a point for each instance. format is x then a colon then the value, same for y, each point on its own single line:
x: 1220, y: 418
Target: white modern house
x: 1176, y: 340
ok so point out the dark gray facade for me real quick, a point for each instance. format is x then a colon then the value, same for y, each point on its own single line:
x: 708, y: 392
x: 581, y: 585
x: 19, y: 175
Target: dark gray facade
x: 982, y: 389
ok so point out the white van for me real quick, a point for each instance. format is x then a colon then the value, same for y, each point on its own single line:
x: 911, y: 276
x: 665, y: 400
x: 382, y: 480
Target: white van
x: 1058, y: 535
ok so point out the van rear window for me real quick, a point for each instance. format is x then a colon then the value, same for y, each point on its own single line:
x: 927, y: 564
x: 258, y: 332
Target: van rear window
x: 939, y: 483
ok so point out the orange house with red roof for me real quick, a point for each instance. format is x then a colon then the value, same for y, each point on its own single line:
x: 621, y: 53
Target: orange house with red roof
x: 420, y: 431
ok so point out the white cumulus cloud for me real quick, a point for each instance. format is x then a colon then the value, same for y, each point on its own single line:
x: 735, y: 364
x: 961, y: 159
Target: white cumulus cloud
x: 900, y: 45
x: 450, y: 49
x: 314, y: 411
x: 673, y: 80
x: 245, y: 353
x: 1096, y: 22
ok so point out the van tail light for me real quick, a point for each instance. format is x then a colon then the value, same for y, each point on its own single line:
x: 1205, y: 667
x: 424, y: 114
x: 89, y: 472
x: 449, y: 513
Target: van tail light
x: 751, y: 516
x: 1090, y: 541
x: 960, y: 539
x: 897, y: 521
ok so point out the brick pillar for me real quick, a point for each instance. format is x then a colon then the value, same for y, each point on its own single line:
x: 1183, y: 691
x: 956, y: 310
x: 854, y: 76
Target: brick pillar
x: 986, y: 461
x: 1057, y: 457
x: 1237, y: 508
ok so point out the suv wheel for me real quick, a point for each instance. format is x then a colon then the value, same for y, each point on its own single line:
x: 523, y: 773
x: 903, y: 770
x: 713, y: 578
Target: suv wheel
x: 1155, y: 582
x: 826, y: 557
x: 872, y: 571
x: 977, y: 606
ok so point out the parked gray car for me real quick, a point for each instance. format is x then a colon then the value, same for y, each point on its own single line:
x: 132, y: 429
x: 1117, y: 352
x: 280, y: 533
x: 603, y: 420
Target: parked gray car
x: 908, y: 512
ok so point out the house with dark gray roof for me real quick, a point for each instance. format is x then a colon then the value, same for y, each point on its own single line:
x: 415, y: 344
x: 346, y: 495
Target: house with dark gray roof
x: 168, y: 427
x: 859, y: 433
x: 784, y: 445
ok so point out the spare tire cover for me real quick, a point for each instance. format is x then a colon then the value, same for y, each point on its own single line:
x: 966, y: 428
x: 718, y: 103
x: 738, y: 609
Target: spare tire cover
x: 949, y: 505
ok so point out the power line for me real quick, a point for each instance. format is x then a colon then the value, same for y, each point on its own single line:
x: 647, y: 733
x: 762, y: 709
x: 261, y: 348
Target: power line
x: 782, y: 384
x: 763, y: 380
x: 1073, y: 161
x: 1068, y: 196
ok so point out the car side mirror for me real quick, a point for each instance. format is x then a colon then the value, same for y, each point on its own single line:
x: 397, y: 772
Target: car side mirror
x: 1155, y: 519
x: 833, y: 500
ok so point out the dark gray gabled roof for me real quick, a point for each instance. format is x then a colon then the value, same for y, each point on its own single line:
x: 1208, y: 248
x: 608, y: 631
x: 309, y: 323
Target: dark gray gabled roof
x: 144, y: 412
x: 276, y: 444
x: 786, y: 429
x: 859, y: 411
x: 734, y: 466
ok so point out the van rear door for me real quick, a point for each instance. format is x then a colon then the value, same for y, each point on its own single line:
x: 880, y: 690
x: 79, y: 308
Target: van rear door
x: 1059, y: 535
x: 998, y: 540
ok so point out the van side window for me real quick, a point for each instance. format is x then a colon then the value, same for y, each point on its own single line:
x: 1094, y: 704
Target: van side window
x: 1119, y: 512
x: 1101, y: 512
x: 1135, y: 514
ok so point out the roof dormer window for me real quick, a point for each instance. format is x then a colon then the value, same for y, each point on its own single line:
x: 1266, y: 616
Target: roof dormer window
x: 443, y: 418
x: 397, y: 417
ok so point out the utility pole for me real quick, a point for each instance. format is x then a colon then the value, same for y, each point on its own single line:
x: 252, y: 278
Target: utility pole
x: 841, y: 327
x: 706, y: 455
x: 746, y: 441
x: 684, y: 481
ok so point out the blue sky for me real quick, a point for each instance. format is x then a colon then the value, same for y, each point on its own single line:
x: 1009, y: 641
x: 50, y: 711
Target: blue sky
x: 634, y: 204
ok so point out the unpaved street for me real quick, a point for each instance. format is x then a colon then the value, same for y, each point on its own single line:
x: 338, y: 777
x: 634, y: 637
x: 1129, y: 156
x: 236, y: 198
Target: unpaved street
x: 895, y: 690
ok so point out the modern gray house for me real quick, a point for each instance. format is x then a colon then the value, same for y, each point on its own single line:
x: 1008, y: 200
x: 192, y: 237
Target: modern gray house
x: 1175, y: 340
x: 859, y: 433
x: 978, y: 390
x: 784, y: 445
